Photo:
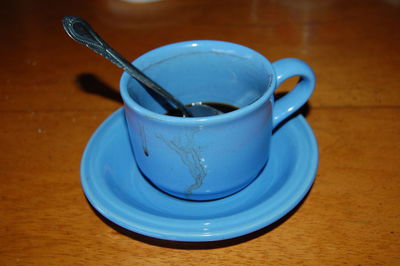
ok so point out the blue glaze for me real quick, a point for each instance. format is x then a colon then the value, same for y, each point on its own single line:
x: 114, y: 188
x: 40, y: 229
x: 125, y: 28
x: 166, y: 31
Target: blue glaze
x: 285, y: 69
x: 205, y: 158
x: 116, y: 189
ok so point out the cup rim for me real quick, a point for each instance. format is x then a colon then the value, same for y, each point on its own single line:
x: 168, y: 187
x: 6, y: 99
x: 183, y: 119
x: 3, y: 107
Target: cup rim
x: 243, y: 111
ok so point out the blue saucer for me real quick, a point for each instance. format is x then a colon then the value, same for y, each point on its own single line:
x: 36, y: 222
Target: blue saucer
x: 117, y: 190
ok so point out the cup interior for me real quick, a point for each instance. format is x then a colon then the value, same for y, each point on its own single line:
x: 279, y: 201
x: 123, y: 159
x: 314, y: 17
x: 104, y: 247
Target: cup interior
x: 201, y: 71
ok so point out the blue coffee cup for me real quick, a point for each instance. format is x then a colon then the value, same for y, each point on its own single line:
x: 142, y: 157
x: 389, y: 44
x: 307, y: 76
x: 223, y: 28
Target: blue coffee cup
x: 206, y: 158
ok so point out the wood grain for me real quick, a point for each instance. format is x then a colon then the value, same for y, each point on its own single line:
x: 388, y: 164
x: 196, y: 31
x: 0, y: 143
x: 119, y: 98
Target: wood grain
x: 49, y: 109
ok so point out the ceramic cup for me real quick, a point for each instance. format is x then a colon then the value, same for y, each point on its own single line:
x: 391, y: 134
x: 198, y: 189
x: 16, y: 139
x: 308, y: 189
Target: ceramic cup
x: 206, y: 158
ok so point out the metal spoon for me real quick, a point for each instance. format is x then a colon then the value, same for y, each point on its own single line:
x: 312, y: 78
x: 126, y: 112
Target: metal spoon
x: 80, y: 31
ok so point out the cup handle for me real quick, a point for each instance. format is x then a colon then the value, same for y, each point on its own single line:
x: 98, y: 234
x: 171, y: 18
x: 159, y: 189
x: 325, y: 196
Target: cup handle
x: 298, y: 96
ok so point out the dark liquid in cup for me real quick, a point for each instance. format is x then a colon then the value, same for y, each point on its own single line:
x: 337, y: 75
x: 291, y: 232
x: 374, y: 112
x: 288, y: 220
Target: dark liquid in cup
x: 224, y: 108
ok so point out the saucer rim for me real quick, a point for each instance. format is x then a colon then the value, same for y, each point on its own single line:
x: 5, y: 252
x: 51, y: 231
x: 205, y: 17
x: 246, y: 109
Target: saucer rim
x: 143, y: 225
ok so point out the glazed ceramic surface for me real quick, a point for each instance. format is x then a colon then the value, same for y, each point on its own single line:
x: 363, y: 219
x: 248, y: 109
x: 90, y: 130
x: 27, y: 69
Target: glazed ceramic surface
x: 116, y: 188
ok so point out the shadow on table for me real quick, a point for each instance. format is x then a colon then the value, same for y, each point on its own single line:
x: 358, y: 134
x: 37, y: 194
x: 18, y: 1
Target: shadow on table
x: 90, y: 83
x: 199, y: 245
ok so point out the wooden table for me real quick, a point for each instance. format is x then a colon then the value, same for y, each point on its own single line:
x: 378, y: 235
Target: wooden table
x: 55, y: 93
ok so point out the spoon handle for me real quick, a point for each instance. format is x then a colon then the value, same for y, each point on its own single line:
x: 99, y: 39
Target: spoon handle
x: 80, y: 31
